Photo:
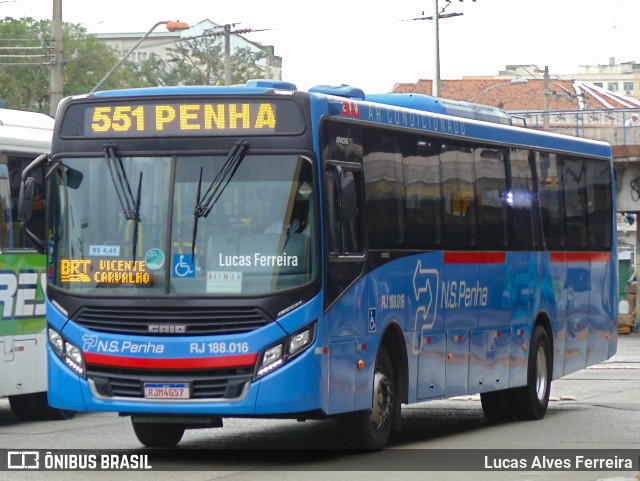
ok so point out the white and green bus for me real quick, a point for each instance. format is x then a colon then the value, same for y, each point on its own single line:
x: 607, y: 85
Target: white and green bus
x: 23, y: 373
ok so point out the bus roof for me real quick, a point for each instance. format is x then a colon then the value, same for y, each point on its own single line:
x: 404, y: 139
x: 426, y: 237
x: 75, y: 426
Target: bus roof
x: 25, y: 132
x: 483, y: 122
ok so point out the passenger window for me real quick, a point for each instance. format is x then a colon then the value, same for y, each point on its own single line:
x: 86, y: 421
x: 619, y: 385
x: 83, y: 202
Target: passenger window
x: 491, y: 188
x: 458, y: 180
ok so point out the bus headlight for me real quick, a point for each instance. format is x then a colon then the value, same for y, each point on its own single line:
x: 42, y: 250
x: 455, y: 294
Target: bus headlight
x: 56, y: 341
x: 69, y: 353
x: 279, y: 354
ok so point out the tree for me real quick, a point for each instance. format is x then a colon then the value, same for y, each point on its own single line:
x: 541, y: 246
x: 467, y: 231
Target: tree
x: 24, y: 78
x: 24, y: 70
x: 200, y: 61
x: 245, y: 64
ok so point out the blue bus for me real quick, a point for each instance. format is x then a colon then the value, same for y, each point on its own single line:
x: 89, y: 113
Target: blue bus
x: 259, y: 251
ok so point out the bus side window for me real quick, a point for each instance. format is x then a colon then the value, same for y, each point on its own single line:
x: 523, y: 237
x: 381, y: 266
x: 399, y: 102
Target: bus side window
x: 423, y: 192
x: 385, y: 204
x: 491, y: 188
x: 574, y: 178
x: 458, y: 188
x: 521, y: 200
x: 551, y: 200
x: 599, y: 198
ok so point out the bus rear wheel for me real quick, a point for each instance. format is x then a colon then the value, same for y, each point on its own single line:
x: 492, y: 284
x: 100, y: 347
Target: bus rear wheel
x: 158, y: 435
x: 530, y: 402
x: 370, y: 429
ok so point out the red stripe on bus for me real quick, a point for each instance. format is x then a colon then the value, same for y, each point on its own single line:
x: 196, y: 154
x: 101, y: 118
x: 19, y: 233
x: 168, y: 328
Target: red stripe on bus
x: 580, y: 256
x: 475, y: 257
x: 240, y: 360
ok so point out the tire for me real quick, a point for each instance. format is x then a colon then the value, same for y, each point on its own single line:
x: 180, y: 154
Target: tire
x: 158, y: 435
x: 35, y: 407
x: 496, y: 405
x: 530, y: 402
x: 370, y: 429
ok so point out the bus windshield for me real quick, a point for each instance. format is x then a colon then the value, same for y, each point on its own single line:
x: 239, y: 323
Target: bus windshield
x: 143, y: 222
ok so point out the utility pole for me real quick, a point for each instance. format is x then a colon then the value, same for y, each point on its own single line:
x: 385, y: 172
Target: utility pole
x: 227, y: 54
x: 547, y: 95
x: 56, y: 74
x: 435, y: 89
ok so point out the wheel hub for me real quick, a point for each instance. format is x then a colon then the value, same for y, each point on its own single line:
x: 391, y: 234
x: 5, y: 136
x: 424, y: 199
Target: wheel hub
x: 382, y: 400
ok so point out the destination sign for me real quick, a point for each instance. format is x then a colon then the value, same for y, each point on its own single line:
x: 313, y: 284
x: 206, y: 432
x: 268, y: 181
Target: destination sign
x: 104, y: 271
x: 182, y: 117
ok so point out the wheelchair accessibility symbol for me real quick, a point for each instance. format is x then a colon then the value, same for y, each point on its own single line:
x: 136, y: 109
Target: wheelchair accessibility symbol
x: 183, y: 266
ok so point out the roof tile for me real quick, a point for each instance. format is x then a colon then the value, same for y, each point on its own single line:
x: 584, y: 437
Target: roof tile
x: 523, y: 95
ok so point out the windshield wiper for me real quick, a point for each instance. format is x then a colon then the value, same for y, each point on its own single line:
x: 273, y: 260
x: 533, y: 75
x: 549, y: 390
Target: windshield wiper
x: 205, y: 203
x: 130, y: 206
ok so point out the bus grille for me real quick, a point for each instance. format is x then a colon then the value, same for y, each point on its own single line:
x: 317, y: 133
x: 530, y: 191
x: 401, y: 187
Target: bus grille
x: 205, y: 384
x: 168, y: 321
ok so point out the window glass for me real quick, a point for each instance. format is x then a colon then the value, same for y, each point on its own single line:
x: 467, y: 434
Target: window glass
x: 423, y: 193
x: 491, y: 188
x: 124, y: 225
x: 521, y: 200
x: 11, y: 233
x: 384, y: 189
x: 551, y: 200
x: 457, y: 174
x: 574, y: 178
x: 599, y: 205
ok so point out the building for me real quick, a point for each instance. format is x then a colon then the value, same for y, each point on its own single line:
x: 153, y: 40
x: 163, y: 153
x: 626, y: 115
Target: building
x: 159, y: 42
x: 620, y: 78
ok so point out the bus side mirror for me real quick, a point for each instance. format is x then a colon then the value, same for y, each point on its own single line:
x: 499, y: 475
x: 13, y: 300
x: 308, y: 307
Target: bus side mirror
x: 25, y: 199
x: 74, y: 178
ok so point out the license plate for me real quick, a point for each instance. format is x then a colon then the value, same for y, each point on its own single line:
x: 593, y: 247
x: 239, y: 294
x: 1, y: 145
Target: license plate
x: 167, y: 390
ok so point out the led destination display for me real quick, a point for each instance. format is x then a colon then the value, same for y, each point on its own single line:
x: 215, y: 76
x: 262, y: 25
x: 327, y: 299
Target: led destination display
x: 183, y: 117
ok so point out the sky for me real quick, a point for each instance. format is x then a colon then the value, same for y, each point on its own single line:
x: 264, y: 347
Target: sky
x: 374, y: 44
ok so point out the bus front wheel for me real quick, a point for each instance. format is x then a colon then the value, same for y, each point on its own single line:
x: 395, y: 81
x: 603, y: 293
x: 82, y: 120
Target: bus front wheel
x: 370, y: 429
x: 158, y: 435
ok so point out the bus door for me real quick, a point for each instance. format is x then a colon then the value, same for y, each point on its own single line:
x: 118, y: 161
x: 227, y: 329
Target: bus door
x: 348, y: 316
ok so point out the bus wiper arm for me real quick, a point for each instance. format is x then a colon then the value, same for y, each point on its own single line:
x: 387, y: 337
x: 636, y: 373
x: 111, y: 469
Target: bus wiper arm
x: 130, y: 209
x: 221, y: 180
x: 130, y: 206
x: 205, y: 203
x: 136, y: 218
